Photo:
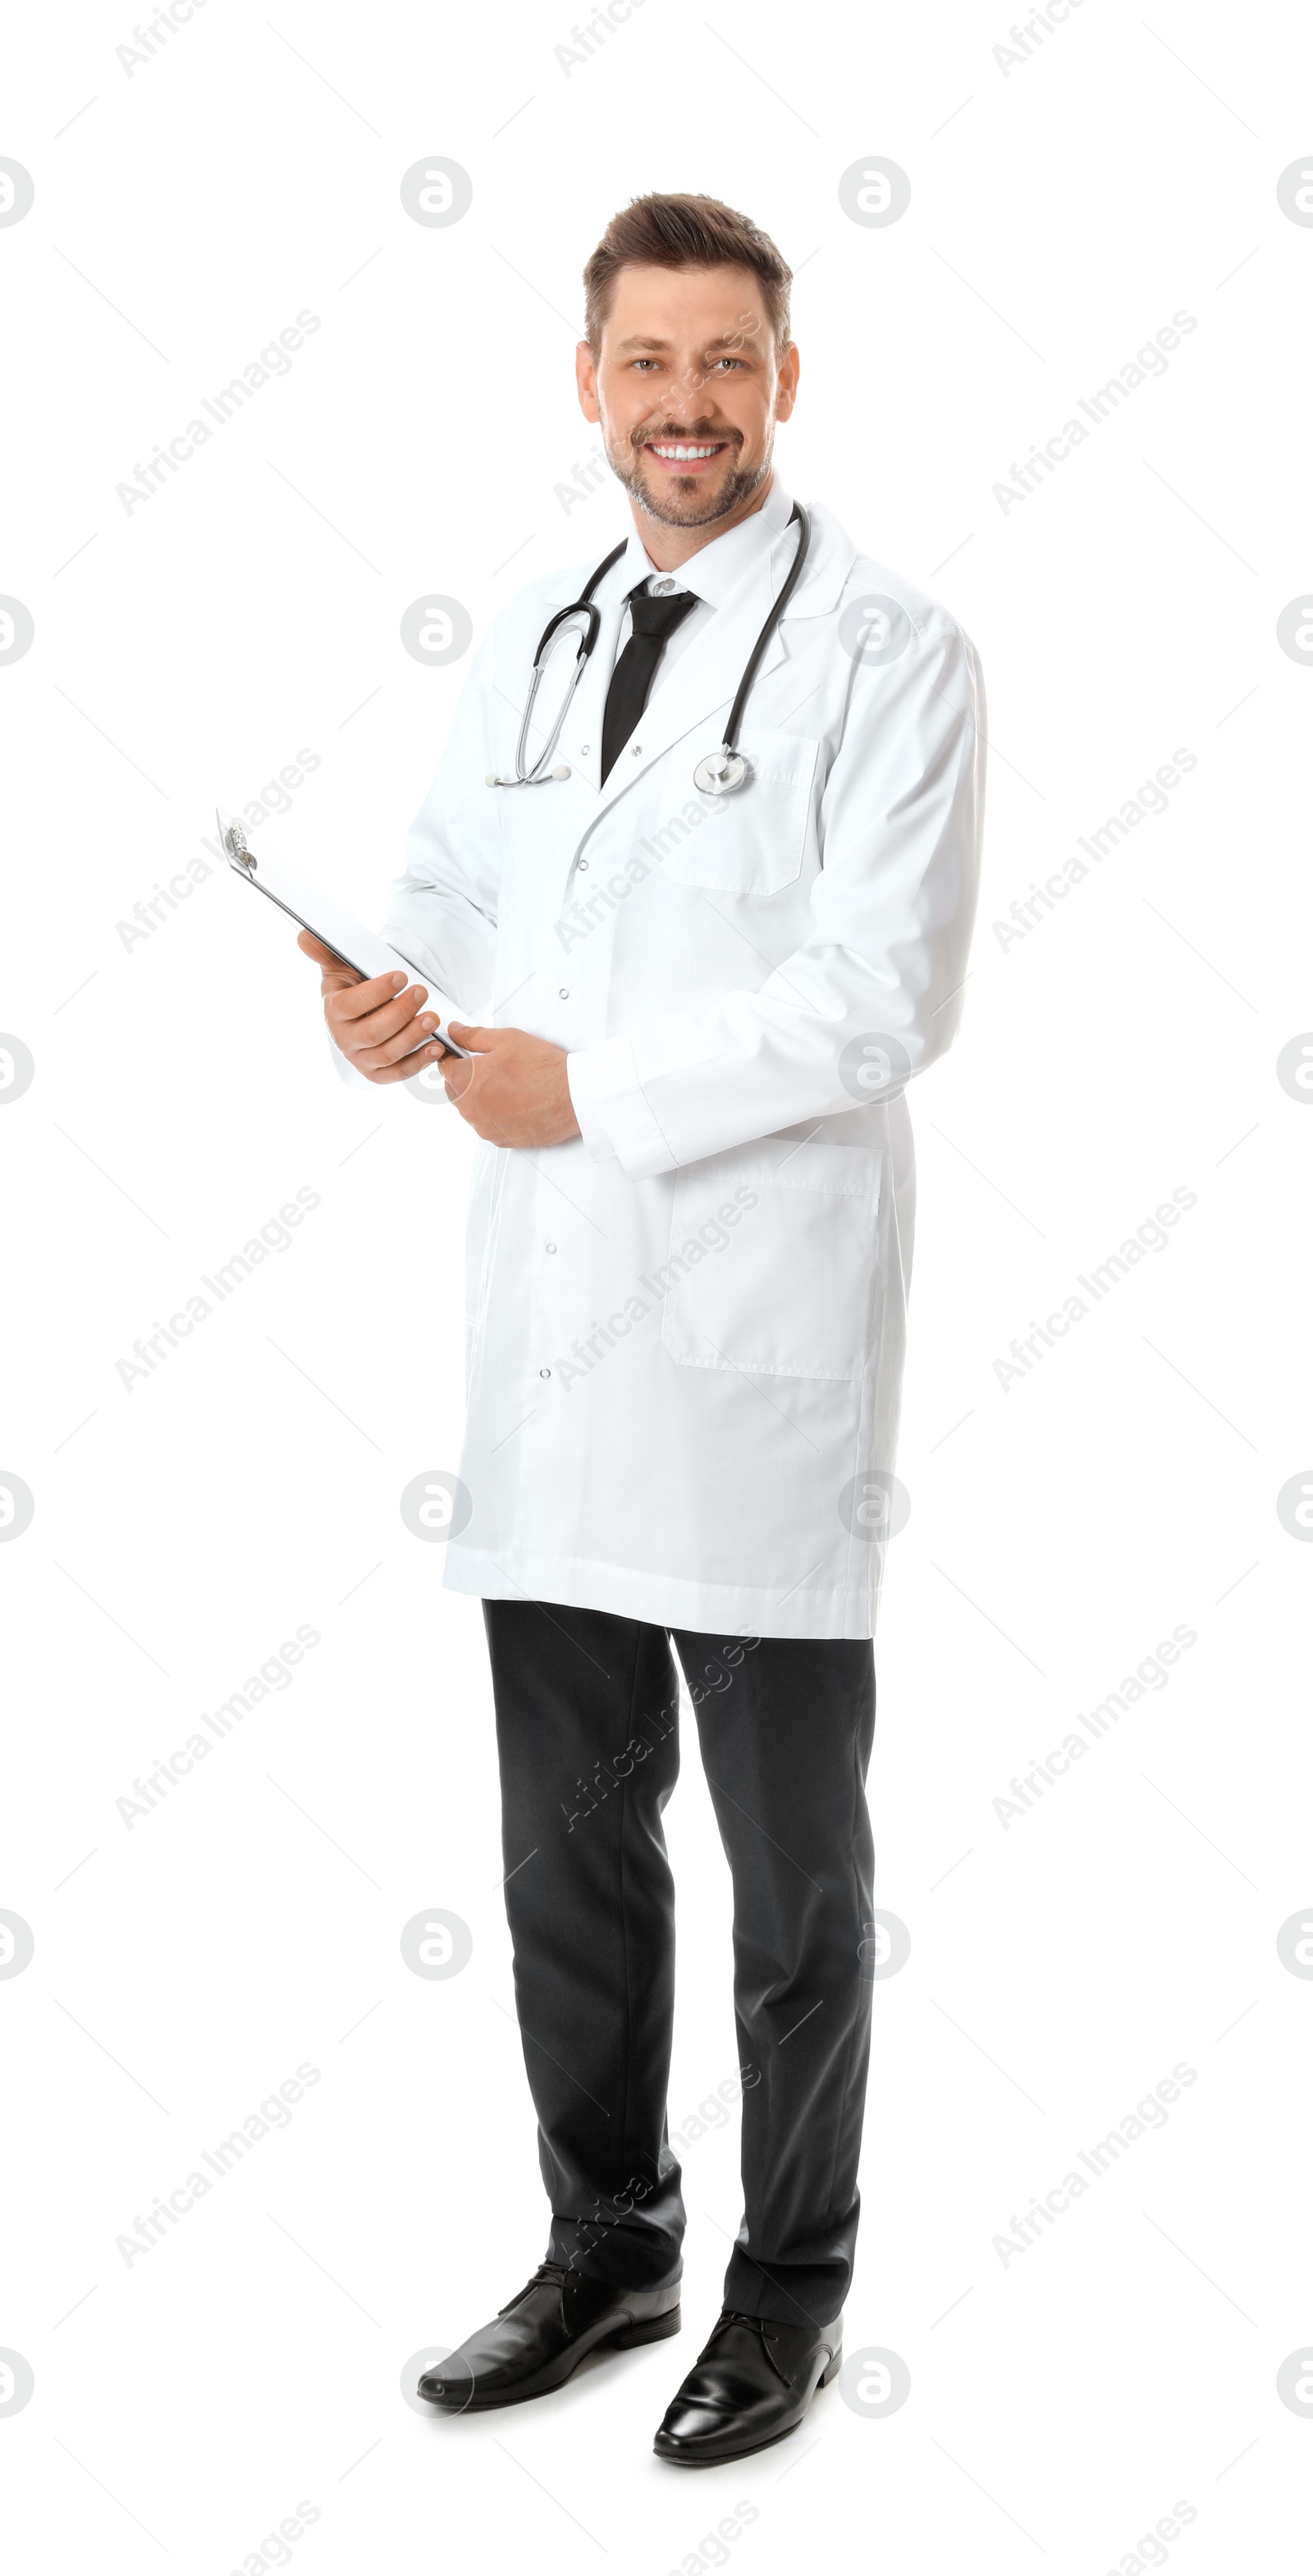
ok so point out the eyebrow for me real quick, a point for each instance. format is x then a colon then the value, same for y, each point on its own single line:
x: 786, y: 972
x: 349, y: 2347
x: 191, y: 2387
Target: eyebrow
x: 736, y: 340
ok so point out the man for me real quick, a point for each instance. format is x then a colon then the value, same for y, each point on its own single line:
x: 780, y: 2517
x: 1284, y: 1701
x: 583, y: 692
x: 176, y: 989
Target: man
x: 689, y: 1247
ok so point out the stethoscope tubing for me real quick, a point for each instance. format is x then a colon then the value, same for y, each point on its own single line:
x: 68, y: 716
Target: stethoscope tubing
x: 730, y: 742
x: 586, y: 607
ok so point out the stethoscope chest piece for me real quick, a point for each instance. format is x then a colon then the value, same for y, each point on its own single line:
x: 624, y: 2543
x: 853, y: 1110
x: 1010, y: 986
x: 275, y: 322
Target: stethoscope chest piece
x: 721, y: 772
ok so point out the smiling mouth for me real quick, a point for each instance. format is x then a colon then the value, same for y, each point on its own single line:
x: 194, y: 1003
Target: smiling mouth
x: 685, y: 456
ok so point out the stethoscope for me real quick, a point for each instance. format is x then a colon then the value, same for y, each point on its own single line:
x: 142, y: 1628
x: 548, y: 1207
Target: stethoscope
x: 722, y: 771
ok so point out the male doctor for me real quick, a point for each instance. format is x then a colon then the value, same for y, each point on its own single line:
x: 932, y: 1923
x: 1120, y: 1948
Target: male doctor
x: 689, y: 1247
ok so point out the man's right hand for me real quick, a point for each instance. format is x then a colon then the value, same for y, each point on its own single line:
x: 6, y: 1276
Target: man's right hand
x: 379, y: 1025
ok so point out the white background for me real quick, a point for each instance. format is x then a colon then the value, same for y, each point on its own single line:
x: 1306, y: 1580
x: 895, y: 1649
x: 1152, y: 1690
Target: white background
x: 1062, y: 209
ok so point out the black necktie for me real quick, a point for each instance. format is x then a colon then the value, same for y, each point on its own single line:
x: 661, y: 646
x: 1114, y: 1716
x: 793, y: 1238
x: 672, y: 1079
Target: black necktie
x: 632, y: 677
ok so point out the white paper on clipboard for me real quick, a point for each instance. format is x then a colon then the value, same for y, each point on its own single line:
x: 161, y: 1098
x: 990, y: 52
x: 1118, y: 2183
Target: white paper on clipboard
x: 320, y: 913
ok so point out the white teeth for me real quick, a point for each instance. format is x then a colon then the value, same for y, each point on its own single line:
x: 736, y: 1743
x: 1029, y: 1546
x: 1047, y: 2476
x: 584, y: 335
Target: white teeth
x: 685, y: 452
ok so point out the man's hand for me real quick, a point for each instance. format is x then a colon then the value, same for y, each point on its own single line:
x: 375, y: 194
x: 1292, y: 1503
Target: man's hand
x: 515, y: 1090
x: 378, y: 1025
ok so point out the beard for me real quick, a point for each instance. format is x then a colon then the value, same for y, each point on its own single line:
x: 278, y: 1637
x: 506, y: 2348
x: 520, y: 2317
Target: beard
x: 678, y: 503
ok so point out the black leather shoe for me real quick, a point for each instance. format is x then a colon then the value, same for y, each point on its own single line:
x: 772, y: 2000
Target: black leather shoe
x: 753, y: 2383
x: 535, y: 2342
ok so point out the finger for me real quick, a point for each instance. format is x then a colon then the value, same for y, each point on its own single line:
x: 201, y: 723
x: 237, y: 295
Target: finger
x: 398, y: 1033
x: 477, y: 1040
x: 378, y: 992
x: 371, y: 1028
x: 390, y: 1046
x: 403, y: 1071
x: 322, y: 956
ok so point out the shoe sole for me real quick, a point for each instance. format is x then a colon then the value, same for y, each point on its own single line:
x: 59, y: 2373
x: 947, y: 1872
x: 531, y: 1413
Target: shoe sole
x: 644, y: 2330
x: 677, y: 2459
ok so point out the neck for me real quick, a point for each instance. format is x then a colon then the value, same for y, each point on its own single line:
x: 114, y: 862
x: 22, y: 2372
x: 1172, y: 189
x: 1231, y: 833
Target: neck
x: 668, y: 547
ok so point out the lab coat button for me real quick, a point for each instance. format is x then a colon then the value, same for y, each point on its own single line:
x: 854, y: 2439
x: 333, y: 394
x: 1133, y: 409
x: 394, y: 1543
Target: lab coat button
x: 565, y: 992
x: 551, y: 1247
x: 544, y: 1372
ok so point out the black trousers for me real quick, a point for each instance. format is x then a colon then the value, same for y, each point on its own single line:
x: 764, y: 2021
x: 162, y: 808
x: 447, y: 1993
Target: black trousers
x: 588, y: 1742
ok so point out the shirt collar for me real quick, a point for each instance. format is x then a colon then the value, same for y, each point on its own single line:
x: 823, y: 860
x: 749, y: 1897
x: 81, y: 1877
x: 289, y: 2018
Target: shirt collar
x: 717, y: 569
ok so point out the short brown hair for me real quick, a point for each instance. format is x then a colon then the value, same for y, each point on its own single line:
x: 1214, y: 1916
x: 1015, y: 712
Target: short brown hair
x: 684, y: 232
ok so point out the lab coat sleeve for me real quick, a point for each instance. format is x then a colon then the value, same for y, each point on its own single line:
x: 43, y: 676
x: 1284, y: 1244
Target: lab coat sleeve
x: 892, y: 910
x: 442, y: 912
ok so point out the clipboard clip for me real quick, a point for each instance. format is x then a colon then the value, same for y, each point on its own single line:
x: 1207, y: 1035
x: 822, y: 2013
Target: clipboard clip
x: 234, y: 843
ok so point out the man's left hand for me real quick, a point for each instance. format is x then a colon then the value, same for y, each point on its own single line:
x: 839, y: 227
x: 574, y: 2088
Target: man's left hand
x: 514, y: 1090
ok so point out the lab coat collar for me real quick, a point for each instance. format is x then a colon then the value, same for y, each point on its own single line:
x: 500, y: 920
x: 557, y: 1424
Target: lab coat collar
x: 702, y: 683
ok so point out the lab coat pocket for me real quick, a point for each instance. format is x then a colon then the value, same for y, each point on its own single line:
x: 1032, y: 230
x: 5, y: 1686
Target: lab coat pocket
x: 773, y: 1255
x: 753, y: 841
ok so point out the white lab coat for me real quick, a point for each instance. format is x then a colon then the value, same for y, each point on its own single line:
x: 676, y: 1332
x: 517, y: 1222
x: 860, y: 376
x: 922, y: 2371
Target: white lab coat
x: 686, y: 1327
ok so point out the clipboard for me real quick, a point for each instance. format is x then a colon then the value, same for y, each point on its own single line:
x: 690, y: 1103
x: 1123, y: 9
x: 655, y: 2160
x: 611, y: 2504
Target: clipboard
x: 328, y: 920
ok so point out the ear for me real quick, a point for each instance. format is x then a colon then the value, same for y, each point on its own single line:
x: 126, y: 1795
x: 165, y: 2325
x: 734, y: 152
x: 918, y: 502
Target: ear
x: 585, y: 376
x: 786, y: 389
